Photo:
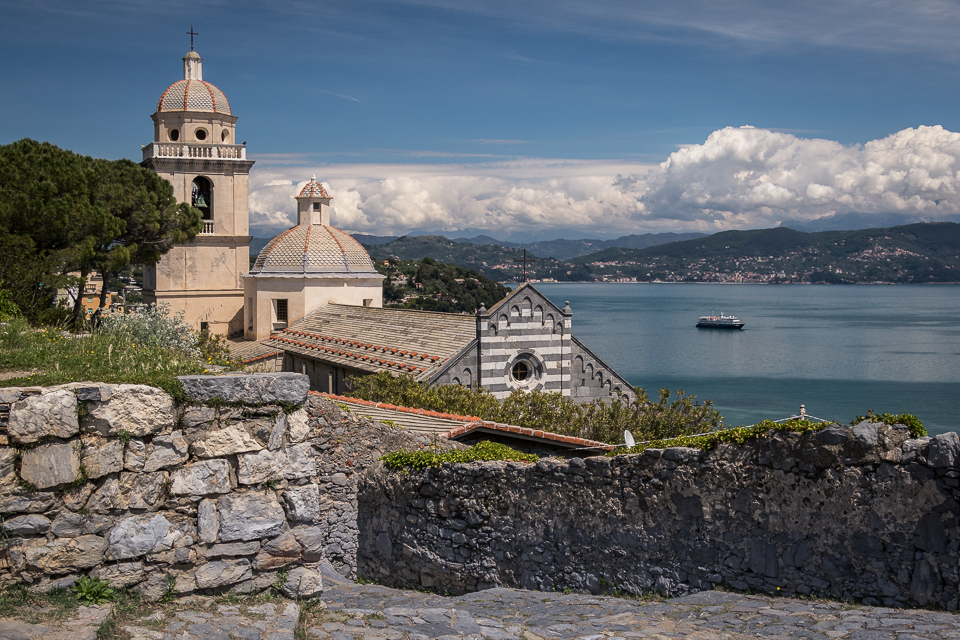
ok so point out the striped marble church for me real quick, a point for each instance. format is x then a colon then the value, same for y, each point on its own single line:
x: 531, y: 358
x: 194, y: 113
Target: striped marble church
x: 523, y: 342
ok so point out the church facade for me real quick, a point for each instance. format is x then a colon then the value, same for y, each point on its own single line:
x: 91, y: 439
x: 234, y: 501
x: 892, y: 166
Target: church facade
x: 523, y: 342
x: 194, y: 148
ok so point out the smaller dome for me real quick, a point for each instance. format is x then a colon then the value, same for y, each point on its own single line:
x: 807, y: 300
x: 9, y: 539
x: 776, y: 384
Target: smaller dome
x: 313, y: 189
x: 313, y: 248
x: 193, y: 95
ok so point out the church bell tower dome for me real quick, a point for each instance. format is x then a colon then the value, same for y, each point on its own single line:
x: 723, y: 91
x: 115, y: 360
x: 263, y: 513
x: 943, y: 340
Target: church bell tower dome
x: 192, y: 93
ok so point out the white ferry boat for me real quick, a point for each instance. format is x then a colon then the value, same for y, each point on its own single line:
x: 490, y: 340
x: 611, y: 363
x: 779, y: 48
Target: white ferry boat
x: 720, y: 322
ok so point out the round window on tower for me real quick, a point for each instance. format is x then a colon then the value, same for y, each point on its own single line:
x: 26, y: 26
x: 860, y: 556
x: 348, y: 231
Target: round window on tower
x: 201, y: 134
x: 174, y: 134
x: 520, y: 371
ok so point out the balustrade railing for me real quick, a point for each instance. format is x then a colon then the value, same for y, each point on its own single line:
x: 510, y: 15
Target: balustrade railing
x: 207, y: 227
x: 194, y: 150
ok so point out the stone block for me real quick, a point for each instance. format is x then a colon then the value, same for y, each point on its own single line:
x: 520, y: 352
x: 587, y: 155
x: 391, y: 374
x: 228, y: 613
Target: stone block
x: 254, y: 388
x: 166, y: 451
x: 278, y: 431
x: 75, y: 498
x: 303, y: 503
x: 225, y: 442
x: 51, y: 414
x: 255, y: 468
x: 301, y: 462
x: 278, y: 552
x: 28, y: 525
x: 50, y: 465
x: 250, y: 516
x: 201, y: 478
x: 197, y: 416
x: 232, y: 549
x: 134, y: 408
x: 833, y: 434
x: 208, y: 521
x: 222, y: 572
x: 298, y: 426
x: 313, y: 540
x: 107, y: 497
x: 124, y: 574
x: 73, y: 525
x: 136, y: 455
x: 8, y: 472
x: 101, y: 457
x: 303, y: 582
x: 139, y: 535
x: 142, y: 490
x: 23, y: 501
x: 944, y: 451
x: 64, y: 555
x: 867, y: 434
x: 681, y: 454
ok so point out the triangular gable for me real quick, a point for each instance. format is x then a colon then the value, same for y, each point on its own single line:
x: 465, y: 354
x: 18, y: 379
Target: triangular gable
x: 525, y: 289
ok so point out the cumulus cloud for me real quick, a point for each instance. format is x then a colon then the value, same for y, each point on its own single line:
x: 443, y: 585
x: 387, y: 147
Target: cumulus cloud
x: 737, y: 178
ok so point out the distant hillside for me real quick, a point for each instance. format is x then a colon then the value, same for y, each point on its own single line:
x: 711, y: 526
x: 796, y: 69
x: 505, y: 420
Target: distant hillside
x: 566, y: 249
x: 923, y: 252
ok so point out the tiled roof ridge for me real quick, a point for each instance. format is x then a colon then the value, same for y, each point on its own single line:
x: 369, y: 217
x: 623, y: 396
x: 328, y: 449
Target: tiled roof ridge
x: 472, y: 422
x: 357, y: 356
x: 306, y: 243
x: 498, y: 303
x: 526, y: 431
x: 310, y: 185
x: 335, y: 239
x: 393, y: 407
x: 265, y: 356
x: 213, y: 98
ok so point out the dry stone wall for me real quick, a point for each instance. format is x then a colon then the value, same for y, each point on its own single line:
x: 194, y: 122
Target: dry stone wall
x: 863, y: 513
x: 123, y: 483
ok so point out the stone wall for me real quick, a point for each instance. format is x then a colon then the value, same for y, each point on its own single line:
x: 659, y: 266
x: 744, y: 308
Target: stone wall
x: 121, y: 482
x: 862, y: 513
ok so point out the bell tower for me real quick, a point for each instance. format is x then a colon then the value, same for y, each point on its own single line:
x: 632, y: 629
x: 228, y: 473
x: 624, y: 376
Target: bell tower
x: 194, y: 148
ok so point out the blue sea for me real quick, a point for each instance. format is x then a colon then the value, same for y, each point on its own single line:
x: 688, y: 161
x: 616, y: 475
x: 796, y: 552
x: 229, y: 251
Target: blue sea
x: 839, y: 350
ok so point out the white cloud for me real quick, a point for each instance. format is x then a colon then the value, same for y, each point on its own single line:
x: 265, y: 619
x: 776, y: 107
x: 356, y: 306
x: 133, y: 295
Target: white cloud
x: 738, y: 178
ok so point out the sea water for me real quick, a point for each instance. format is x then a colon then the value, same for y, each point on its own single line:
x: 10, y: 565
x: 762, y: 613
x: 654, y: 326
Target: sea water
x: 838, y: 350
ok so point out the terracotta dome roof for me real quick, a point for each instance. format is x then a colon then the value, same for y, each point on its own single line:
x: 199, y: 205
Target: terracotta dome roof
x: 193, y: 95
x: 313, y: 248
x: 313, y: 189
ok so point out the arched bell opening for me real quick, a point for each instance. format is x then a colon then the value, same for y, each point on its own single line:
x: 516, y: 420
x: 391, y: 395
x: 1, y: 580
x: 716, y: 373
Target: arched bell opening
x: 201, y: 197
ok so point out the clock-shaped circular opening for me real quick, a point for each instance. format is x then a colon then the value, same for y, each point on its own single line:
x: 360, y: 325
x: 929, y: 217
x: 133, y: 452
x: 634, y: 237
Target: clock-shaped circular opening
x: 174, y: 134
x: 201, y: 134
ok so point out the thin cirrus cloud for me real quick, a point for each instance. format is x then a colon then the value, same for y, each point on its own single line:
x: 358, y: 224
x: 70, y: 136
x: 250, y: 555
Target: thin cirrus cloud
x: 340, y: 95
x: 738, y: 178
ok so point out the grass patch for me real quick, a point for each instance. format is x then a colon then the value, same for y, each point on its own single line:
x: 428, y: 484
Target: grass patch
x: 482, y: 451
x: 18, y: 601
x: 102, y: 357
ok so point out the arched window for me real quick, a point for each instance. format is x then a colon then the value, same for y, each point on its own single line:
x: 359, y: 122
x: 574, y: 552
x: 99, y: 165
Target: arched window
x: 201, y: 197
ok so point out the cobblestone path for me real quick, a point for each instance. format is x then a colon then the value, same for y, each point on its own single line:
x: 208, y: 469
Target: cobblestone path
x: 372, y: 612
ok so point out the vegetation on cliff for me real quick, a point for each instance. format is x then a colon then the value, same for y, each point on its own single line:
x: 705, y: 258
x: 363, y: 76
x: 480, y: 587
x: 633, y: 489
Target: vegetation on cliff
x: 665, y: 417
x: 480, y: 452
x: 434, y: 286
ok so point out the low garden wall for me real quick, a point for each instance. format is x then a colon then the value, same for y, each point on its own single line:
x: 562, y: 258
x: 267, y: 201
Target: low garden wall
x: 863, y: 513
x: 250, y: 483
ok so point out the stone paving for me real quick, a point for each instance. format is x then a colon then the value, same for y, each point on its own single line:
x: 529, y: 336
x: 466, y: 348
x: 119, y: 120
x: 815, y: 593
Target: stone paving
x: 372, y: 612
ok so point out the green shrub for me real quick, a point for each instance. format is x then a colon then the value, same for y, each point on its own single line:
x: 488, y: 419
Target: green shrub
x: 738, y: 436
x: 668, y: 416
x: 8, y: 308
x: 92, y: 590
x: 917, y: 429
x: 481, y: 451
x: 154, y: 326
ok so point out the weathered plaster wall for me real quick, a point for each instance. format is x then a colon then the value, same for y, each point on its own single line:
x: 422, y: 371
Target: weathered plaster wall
x: 121, y: 482
x: 856, y: 513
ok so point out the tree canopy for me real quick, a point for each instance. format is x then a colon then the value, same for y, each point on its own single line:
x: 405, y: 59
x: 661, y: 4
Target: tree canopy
x: 61, y: 212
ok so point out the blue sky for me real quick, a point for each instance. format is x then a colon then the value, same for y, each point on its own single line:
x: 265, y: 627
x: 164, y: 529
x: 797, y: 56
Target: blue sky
x: 546, y: 118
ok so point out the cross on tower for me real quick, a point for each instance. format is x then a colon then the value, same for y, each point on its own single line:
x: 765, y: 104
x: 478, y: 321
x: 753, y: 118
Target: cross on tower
x: 525, y: 261
x: 192, y: 33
